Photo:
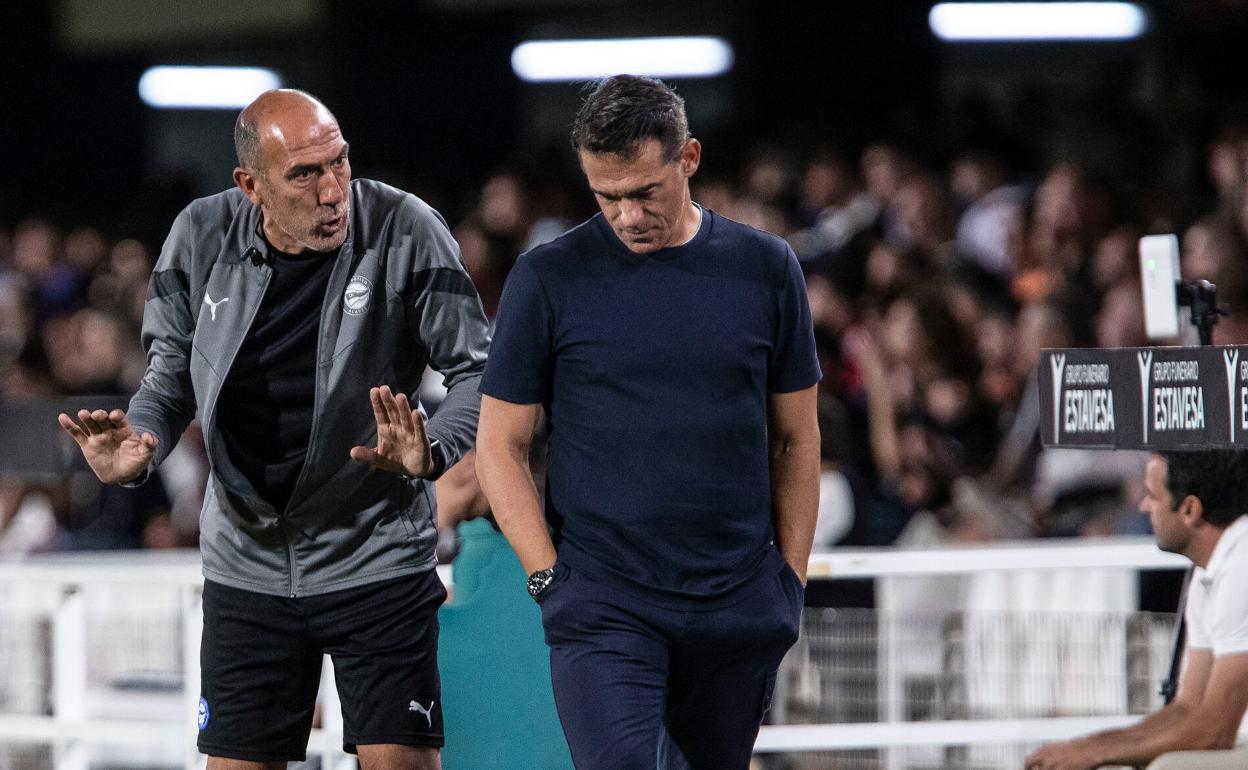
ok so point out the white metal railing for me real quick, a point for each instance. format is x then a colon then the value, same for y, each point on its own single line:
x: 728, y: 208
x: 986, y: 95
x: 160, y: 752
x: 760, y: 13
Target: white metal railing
x: 165, y: 726
x: 73, y: 728
x: 901, y: 573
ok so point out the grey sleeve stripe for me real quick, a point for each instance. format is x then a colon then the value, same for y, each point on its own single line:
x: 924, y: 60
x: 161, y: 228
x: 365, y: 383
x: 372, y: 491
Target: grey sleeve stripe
x: 167, y: 282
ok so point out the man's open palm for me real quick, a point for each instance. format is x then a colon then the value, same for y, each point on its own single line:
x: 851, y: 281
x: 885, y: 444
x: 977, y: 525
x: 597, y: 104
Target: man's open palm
x: 114, y: 450
x: 402, y: 446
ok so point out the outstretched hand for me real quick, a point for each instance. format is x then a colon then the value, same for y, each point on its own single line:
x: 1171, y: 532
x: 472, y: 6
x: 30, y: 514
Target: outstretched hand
x: 114, y: 450
x: 402, y: 446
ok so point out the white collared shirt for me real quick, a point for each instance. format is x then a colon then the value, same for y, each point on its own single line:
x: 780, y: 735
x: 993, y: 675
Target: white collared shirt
x: 1217, y: 602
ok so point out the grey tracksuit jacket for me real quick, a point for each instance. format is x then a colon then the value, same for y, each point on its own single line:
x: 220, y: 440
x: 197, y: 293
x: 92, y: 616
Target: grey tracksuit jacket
x: 398, y: 298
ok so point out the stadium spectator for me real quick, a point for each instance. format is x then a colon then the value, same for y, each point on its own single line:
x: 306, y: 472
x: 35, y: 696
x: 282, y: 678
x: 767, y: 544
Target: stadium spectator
x: 924, y: 217
x: 835, y: 210
x: 992, y: 211
x: 1195, y: 512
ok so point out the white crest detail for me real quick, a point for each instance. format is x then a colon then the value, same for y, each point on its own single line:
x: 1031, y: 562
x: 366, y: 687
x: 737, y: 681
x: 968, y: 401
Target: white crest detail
x: 212, y: 306
x: 357, y: 297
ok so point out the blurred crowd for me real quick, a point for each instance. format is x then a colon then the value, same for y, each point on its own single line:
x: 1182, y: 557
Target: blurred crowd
x: 933, y: 288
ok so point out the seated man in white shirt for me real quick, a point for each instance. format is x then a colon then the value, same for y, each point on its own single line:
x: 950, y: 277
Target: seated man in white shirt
x: 1195, y: 501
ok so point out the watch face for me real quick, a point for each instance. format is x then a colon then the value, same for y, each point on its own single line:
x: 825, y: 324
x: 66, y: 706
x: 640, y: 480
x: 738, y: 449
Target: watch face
x: 539, y: 581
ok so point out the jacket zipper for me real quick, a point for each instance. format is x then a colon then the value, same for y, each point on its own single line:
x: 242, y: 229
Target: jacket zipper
x: 281, y: 516
x: 316, y: 409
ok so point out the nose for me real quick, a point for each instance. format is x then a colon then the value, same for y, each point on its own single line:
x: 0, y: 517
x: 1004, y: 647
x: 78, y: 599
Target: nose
x: 631, y: 213
x: 329, y: 190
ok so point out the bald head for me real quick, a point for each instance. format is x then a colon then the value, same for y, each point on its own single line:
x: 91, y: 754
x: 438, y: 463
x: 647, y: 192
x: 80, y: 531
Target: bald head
x: 292, y: 163
x: 272, y: 112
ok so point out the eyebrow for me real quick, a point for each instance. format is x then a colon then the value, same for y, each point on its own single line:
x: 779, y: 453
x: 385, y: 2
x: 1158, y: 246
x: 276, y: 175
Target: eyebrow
x: 295, y: 171
x: 629, y: 194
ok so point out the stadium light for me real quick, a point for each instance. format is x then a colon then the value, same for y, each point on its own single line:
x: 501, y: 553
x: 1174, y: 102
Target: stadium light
x: 980, y: 22
x: 200, y: 88
x: 538, y: 61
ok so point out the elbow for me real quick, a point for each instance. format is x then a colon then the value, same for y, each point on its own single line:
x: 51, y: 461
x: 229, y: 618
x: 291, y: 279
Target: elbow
x: 795, y: 444
x: 481, y: 463
x: 490, y: 457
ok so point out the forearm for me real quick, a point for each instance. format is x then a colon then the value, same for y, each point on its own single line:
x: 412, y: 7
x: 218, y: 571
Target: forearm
x: 517, y: 507
x: 795, y: 497
x: 1174, y: 728
x: 454, y: 424
x: 164, y: 417
x: 460, y: 497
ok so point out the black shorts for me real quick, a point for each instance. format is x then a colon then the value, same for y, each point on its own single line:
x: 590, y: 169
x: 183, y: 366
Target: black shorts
x: 261, y: 667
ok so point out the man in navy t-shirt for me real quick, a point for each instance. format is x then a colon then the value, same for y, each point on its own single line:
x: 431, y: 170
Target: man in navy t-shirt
x: 672, y: 352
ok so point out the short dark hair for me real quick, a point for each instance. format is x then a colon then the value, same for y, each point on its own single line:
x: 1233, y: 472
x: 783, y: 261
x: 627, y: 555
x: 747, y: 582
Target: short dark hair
x: 1216, y: 477
x: 622, y: 112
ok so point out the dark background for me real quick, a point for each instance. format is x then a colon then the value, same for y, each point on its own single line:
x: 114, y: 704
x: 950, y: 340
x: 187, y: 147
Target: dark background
x: 425, y: 93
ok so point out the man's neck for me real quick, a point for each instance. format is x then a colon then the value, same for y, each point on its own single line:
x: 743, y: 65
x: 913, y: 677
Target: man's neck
x: 692, y: 223
x: 1203, y: 546
x: 278, y: 239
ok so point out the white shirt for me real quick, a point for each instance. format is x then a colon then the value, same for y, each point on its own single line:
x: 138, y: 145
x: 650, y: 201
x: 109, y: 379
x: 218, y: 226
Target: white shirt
x: 1217, y: 602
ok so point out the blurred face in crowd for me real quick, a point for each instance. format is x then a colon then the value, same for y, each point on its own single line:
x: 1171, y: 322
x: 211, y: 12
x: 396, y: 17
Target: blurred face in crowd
x: 16, y: 320
x: 302, y: 183
x: 1039, y: 326
x: 972, y: 178
x: 1120, y: 322
x: 766, y: 178
x: 1167, y: 520
x: 1115, y: 258
x: 901, y: 333
x: 85, y: 248
x: 922, y: 212
x: 645, y: 197
x: 1226, y: 165
x: 1200, y: 259
x: 827, y: 183
x: 883, y: 168
x: 1060, y: 201
x: 35, y: 248
x: 502, y: 206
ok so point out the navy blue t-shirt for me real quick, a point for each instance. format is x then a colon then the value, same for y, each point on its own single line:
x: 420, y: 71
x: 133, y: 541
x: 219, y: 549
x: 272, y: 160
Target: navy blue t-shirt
x: 655, y: 370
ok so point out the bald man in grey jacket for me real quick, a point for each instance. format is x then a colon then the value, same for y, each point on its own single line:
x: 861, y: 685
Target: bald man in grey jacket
x: 293, y: 315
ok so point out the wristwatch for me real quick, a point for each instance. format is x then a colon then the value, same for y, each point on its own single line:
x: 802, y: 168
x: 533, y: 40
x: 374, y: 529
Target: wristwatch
x: 438, y: 461
x: 539, y: 581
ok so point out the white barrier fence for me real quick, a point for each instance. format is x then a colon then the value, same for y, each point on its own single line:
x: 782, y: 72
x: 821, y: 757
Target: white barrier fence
x: 99, y: 655
x: 973, y: 655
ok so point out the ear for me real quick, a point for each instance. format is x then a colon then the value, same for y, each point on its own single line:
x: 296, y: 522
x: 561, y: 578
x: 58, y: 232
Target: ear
x: 690, y: 157
x: 247, y: 182
x: 1192, y: 511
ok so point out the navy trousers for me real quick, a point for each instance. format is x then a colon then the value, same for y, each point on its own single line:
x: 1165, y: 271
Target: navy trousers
x: 642, y: 687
